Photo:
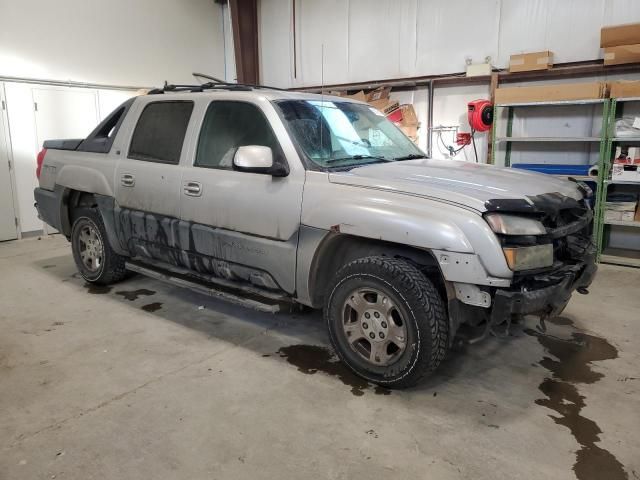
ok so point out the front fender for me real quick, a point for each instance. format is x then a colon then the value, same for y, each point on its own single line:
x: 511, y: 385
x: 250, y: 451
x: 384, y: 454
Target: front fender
x: 403, y: 219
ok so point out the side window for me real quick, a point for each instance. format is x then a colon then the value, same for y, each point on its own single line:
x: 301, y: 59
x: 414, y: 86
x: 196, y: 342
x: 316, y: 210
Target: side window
x: 159, y: 134
x: 228, y: 125
x: 102, y: 137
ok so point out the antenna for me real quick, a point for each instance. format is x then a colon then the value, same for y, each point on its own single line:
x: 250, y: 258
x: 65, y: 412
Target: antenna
x: 322, y: 96
x: 208, y: 77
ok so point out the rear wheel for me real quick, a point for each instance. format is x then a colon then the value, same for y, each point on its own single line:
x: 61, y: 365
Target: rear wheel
x: 94, y: 257
x: 386, y: 321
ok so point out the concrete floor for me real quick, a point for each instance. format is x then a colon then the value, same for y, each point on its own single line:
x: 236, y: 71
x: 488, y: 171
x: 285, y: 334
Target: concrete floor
x: 149, y: 381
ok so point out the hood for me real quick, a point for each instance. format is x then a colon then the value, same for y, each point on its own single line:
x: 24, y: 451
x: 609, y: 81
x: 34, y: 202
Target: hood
x: 452, y: 181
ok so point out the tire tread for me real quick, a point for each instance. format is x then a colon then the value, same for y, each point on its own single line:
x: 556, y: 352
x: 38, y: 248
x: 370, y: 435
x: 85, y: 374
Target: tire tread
x: 115, y: 265
x: 414, y: 284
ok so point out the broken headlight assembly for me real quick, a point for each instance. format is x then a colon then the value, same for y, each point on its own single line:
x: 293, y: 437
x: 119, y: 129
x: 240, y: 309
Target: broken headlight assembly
x: 529, y: 258
x: 521, y: 257
x: 505, y: 224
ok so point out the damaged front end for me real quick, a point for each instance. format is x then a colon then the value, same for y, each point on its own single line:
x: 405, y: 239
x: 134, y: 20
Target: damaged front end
x: 563, y: 245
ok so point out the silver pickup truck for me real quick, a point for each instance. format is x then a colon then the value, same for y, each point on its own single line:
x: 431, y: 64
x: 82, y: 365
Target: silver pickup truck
x: 320, y: 201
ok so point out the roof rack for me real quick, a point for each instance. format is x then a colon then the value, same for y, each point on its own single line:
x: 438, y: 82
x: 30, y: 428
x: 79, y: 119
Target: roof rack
x: 169, y: 88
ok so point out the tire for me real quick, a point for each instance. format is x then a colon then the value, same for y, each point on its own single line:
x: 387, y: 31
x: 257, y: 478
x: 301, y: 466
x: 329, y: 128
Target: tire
x: 393, y: 303
x: 89, y: 239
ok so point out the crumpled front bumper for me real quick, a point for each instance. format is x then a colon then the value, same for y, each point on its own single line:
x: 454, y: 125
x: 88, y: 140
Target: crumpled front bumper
x: 549, y: 300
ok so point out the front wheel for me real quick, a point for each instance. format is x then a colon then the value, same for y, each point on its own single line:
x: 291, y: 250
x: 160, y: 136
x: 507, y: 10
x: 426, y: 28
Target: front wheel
x: 94, y: 257
x: 386, y: 321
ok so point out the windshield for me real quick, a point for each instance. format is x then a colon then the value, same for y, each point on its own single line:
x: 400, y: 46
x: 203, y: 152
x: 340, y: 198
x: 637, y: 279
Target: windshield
x: 345, y: 134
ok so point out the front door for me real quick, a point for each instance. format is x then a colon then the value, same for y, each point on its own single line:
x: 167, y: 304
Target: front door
x: 242, y: 226
x: 147, y: 182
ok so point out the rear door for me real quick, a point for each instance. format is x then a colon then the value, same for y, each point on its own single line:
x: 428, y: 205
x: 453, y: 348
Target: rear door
x: 241, y: 225
x: 148, y: 179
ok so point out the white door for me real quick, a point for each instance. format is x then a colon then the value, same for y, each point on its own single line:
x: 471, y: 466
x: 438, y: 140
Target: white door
x: 8, y: 227
x: 63, y: 113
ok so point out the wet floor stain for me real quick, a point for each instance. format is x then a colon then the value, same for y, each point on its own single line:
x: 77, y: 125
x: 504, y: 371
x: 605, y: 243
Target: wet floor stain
x: 560, y: 321
x: 152, y: 307
x: 574, y: 357
x: 311, y: 359
x: 132, y: 295
x: 97, y: 289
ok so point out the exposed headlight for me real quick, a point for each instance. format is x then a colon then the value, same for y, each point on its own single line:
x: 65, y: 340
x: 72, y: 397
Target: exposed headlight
x: 514, y: 224
x: 527, y: 258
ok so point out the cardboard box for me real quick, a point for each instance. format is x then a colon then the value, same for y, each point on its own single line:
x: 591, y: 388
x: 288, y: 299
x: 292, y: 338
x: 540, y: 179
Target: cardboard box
x: 546, y: 93
x: 624, y: 88
x: 410, y: 131
x: 612, y: 215
x: 527, y: 62
x: 626, y: 172
x: 385, y: 105
x: 615, y: 35
x: 620, y: 206
x: 409, y: 117
x: 622, y: 54
x: 378, y: 94
x: 637, y: 216
x: 357, y: 96
x: 627, y: 216
x: 627, y: 155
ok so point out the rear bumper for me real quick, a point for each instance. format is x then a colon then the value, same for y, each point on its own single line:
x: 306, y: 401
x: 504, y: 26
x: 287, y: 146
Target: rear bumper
x: 546, y: 301
x: 48, y: 207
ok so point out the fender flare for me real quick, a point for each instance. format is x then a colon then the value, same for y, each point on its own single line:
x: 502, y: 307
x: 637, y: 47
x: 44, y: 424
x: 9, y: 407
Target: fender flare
x: 84, y: 179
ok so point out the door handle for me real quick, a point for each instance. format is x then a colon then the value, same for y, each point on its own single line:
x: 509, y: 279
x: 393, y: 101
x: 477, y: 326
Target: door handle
x: 193, y: 189
x: 127, y: 180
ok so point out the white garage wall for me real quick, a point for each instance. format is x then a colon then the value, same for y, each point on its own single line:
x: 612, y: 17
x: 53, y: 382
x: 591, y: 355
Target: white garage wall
x: 25, y: 143
x: 138, y: 43
x: 119, y: 42
x: 382, y: 39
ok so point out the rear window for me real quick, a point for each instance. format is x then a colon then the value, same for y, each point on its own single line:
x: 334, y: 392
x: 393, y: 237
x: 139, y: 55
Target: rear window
x: 159, y: 134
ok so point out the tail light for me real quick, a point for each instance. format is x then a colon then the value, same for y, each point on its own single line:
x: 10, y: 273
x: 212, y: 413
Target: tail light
x: 40, y: 161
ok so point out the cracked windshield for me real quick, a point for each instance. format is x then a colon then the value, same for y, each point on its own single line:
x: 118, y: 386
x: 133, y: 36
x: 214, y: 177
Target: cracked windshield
x: 343, y: 134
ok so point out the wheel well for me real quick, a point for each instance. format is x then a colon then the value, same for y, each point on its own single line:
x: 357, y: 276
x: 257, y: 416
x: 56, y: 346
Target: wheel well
x: 338, y: 250
x: 72, y: 199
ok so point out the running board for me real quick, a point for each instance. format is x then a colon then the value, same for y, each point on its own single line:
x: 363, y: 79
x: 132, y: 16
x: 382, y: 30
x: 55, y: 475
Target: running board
x: 269, y: 305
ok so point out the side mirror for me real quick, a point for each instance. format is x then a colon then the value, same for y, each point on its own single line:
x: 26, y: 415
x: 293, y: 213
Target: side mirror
x: 257, y: 159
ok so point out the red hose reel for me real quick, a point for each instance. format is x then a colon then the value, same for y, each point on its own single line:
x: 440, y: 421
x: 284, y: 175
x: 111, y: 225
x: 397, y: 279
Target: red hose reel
x: 480, y: 115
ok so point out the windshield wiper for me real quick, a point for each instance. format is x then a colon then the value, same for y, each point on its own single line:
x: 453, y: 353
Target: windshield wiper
x: 355, y: 157
x: 411, y: 156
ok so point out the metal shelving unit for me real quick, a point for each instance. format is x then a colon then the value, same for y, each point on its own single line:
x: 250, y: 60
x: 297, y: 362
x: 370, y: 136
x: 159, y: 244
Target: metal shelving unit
x: 548, y: 139
x: 620, y: 256
x: 606, y: 254
x: 509, y: 139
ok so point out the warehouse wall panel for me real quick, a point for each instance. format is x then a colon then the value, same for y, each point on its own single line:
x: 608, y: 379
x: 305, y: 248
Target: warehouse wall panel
x: 119, y: 42
x: 448, y: 32
x: 393, y: 51
x: 276, y: 39
x: 379, y: 39
x: 322, y: 24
